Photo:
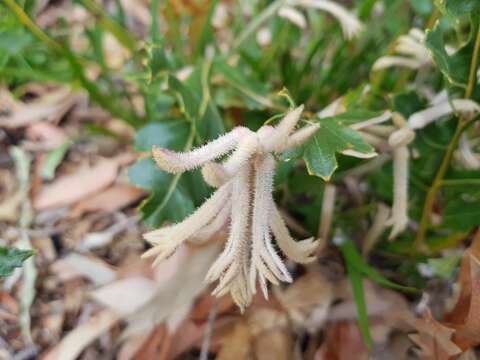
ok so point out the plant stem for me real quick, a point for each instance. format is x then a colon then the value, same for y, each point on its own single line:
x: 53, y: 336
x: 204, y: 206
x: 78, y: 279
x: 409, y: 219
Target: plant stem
x: 256, y: 23
x: 30, y: 25
x: 438, y: 180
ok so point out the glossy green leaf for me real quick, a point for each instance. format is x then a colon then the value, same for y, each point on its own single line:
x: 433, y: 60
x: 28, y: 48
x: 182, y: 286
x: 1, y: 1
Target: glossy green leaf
x: 333, y: 136
x: 454, y: 67
x: 169, y: 199
x: 462, y: 214
x: 11, y: 258
x: 171, y: 134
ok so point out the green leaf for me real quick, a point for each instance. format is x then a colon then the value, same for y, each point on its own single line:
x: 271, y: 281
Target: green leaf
x: 462, y: 7
x: 359, y: 297
x: 454, y: 67
x: 11, y: 258
x: 353, y: 258
x: 209, y: 124
x: 53, y: 160
x: 170, y: 134
x: 333, y: 136
x: 444, y: 267
x: 169, y: 199
x: 461, y: 214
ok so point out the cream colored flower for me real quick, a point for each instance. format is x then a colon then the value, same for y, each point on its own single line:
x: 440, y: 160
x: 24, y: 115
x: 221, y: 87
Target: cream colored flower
x: 243, y: 201
x: 351, y: 26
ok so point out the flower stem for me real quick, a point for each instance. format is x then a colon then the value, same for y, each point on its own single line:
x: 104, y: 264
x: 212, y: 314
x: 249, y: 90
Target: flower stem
x: 438, y: 180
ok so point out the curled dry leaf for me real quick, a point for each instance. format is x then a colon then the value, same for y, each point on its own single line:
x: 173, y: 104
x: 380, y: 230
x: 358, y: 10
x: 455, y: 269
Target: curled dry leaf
x: 465, y: 316
x: 434, y: 339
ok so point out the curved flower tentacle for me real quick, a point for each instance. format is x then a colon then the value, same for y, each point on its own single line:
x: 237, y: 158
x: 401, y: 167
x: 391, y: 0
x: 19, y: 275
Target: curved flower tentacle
x: 176, y: 162
x: 167, y: 239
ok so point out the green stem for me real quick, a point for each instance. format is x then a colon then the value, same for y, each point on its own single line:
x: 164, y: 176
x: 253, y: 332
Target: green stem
x: 256, y: 23
x: 30, y: 25
x: 460, y: 182
x: 438, y: 180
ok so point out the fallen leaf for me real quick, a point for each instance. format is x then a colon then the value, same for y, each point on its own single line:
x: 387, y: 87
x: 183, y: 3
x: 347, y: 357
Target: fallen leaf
x: 344, y: 342
x: 465, y: 316
x: 114, y: 198
x: 134, y: 293
x: 68, y: 189
x: 236, y: 343
x: 308, y: 300
x: 433, y: 339
x: 50, y: 134
x: 90, y: 267
x: 70, y: 347
x: 51, y: 107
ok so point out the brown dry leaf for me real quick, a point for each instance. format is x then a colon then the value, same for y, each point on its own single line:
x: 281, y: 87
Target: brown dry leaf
x: 236, y: 343
x: 465, y: 316
x: 134, y: 293
x: 308, y: 300
x: 51, y: 106
x: 434, y: 339
x: 48, y: 133
x: 114, y: 198
x: 77, y: 265
x: 69, y: 189
x: 344, y: 342
x: 9, y: 207
x: 276, y: 344
x: 73, y: 344
x: 177, y: 286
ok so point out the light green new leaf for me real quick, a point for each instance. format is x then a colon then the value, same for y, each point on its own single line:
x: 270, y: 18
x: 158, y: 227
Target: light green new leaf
x: 11, y: 258
x: 334, y: 136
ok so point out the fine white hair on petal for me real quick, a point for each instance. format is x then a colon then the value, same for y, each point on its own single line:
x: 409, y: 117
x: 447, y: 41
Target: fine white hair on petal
x: 372, y: 121
x: 231, y: 266
x: 214, y: 174
x: 467, y: 156
x: 215, y: 226
x: 247, y: 147
x: 299, y: 137
x: 176, y: 162
x: 273, y: 140
x: 264, y: 260
x: 388, y: 61
x: 167, y: 239
x: 298, y: 251
x: 293, y: 15
x: 399, y: 219
x: 351, y: 26
x: 422, y: 118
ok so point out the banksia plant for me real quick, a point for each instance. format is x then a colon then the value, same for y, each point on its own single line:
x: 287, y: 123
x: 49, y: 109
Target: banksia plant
x: 242, y: 201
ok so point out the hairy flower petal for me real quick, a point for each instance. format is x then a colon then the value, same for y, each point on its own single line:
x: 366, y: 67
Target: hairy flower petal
x: 298, y: 251
x: 399, y: 219
x: 422, y: 118
x: 351, y: 26
x: 168, y: 238
x: 176, y: 162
